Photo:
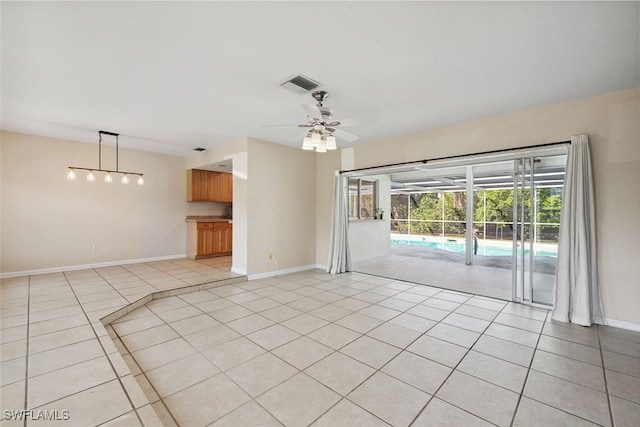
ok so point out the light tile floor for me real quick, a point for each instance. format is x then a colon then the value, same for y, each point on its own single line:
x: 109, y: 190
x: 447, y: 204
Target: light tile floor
x: 303, y: 349
x: 315, y: 349
x: 56, y: 355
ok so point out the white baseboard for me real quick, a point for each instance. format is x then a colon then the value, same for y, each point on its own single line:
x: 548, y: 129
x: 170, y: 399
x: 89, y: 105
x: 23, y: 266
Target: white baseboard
x: 624, y: 325
x: 86, y: 266
x: 237, y: 270
x: 280, y: 272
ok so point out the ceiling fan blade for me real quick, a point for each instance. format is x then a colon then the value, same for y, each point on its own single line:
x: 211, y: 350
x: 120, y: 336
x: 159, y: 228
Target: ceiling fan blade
x: 312, y: 111
x: 345, y: 135
x: 355, y: 121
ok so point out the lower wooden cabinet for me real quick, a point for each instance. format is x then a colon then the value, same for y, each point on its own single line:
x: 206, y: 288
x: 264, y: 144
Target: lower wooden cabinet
x: 214, y: 239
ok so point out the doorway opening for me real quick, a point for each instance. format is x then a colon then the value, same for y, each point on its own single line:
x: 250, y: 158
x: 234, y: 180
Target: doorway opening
x: 484, y: 226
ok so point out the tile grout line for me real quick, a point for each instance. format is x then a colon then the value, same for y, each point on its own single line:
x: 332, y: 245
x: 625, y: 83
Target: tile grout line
x: 124, y: 389
x: 114, y: 288
x: 302, y: 371
x: 376, y: 370
x: 526, y: 377
x: 144, y: 374
x: 530, y: 369
x: 26, y: 356
x: 455, y: 368
x: 267, y: 351
x: 158, y: 295
x: 604, y: 374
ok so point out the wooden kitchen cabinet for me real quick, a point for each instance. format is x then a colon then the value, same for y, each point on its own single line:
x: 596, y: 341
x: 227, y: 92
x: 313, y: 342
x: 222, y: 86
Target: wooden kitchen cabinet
x: 197, y: 185
x: 220, y: 187
x: 227, y: 187
x: 214, y: 239
x: 209, y: 186
x: 223, y: 239
x: 205, y: 239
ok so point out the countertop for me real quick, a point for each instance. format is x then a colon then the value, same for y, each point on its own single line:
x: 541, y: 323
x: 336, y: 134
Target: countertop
x: 205, y: 218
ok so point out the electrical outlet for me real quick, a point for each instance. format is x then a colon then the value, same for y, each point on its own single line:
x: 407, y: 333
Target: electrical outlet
x: 270, y: 255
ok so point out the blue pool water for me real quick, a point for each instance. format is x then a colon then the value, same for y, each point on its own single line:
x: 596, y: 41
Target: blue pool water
x: 459, y: 248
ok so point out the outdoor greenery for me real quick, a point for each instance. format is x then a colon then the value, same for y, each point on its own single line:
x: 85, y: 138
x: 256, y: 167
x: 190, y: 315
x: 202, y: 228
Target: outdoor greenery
x: 430, y: 212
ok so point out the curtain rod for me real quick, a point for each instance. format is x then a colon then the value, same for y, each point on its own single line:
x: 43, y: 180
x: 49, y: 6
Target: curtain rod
x: 458, y: 156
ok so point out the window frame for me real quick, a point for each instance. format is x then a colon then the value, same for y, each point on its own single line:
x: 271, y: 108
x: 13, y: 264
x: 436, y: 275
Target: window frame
x: 356, y: 203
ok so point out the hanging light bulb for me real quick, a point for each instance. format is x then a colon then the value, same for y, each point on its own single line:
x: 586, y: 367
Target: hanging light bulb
x: 322, y: 147
x: 90, y: 176
x: 108, y: 179
x: 331, y: 142
x: 125, y: 179
x: 71, y: 175
x: 307, y: 144
x: 316, y: 139
x: 140, y: 180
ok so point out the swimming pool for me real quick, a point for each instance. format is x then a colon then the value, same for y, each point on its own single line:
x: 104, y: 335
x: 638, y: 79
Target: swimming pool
x: 484, y: 248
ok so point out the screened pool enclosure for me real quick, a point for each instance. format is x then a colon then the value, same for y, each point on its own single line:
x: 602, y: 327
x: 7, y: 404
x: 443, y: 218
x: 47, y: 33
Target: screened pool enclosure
x: 499, y: 215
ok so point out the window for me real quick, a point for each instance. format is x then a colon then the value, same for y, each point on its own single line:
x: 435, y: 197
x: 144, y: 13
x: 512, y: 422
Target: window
x: 363, y: 198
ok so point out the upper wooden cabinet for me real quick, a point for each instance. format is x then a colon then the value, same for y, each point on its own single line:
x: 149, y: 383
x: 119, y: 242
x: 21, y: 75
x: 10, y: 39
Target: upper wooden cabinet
x: 197, y: 185
x: 208, y: 186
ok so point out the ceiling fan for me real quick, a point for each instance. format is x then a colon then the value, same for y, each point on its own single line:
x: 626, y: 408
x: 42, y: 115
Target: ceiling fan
x: 322, y: 128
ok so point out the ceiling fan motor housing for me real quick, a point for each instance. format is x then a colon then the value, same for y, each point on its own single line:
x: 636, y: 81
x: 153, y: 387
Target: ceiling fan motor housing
x: 320, y: 96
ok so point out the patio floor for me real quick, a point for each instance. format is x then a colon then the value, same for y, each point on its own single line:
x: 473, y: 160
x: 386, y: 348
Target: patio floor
x: 489, y: 276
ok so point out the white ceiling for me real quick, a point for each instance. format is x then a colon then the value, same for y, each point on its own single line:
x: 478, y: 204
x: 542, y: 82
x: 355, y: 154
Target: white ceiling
x: 171, y: 76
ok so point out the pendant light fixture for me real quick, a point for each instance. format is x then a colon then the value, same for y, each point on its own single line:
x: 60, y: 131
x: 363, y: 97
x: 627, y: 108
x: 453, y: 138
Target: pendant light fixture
x: 71, y: 173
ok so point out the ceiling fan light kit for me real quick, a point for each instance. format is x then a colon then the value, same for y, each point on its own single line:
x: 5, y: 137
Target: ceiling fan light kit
x: 322, y: 128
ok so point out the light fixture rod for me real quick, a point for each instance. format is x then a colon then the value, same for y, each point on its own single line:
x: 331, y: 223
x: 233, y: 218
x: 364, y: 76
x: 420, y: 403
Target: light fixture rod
x: 105, y: 170
x: 104, y: 132
x: 99, y: 150
x: 100, y: 133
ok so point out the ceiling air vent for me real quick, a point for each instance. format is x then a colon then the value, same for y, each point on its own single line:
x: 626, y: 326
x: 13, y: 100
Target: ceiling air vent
x: 300, y: 84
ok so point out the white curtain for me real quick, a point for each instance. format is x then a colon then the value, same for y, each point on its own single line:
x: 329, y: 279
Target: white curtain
x: 339, y: 255
x: 578, y: 297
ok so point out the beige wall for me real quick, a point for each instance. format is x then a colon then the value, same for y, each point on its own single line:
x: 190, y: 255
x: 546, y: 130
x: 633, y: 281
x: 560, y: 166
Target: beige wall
x: 49, y: 222
x: 281, y: 207
x: 612, y: 123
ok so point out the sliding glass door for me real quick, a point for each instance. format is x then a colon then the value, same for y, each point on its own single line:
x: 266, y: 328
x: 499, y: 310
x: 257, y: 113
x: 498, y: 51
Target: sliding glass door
x: 537, y: 199
x: 487, y: 226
